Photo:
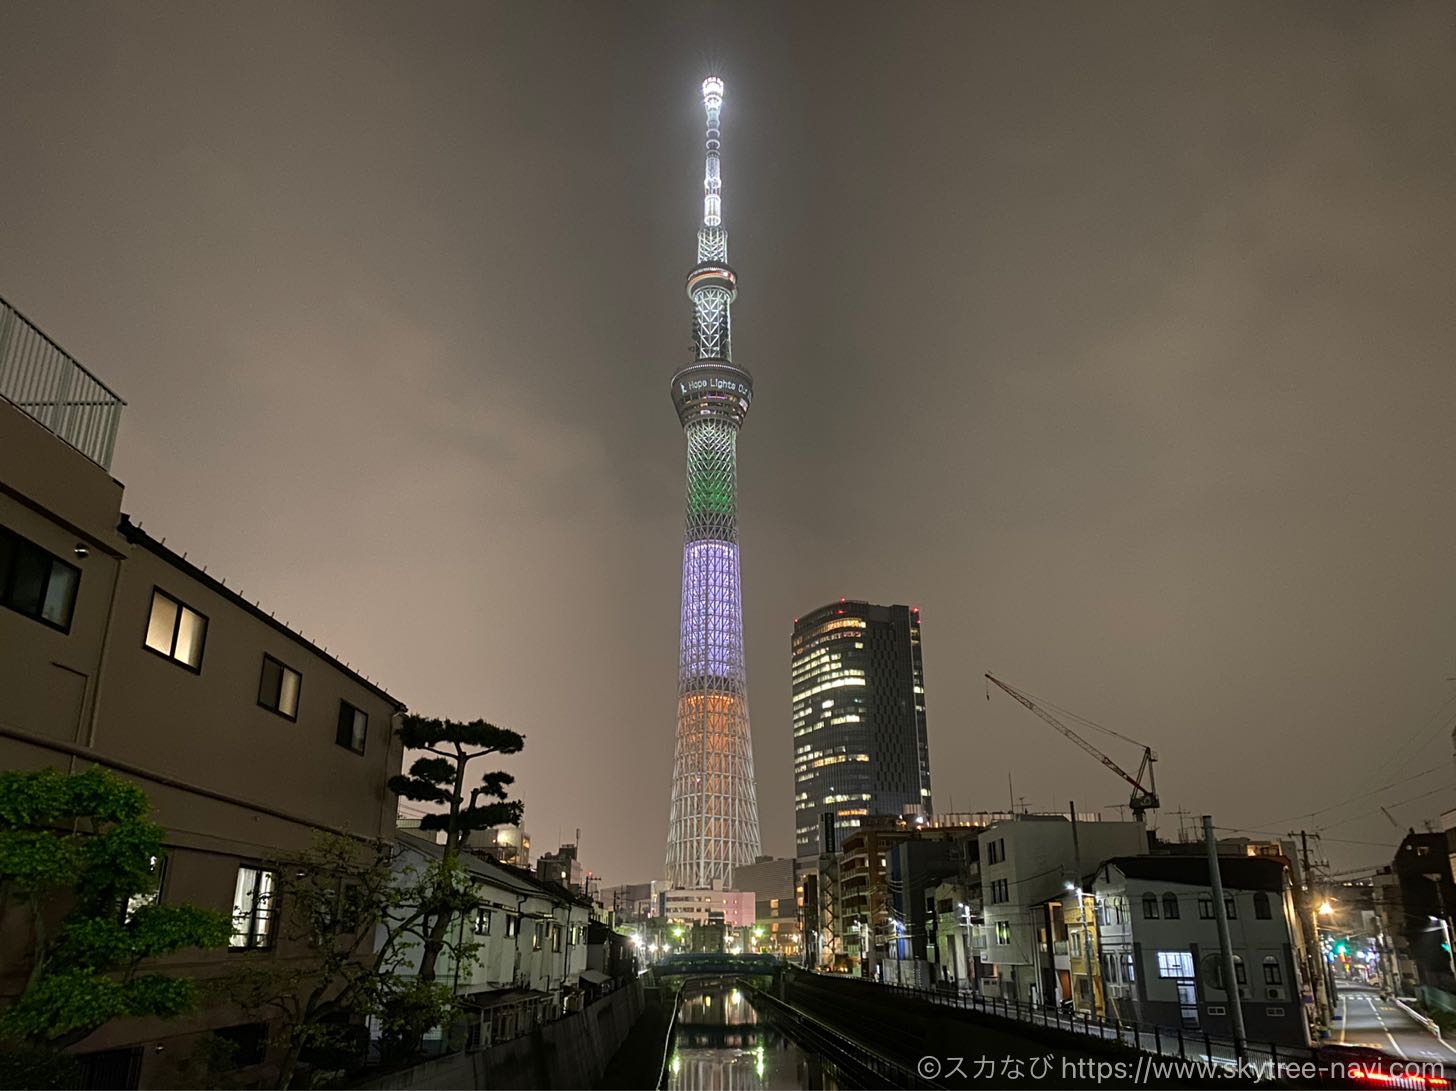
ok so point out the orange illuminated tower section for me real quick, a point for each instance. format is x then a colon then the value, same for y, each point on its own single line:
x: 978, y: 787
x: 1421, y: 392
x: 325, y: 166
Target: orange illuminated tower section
x: 713, y: 826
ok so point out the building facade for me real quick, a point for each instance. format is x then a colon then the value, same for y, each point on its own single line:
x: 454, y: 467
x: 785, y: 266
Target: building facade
x: 860, y: 746
x: 531, y: 939
x: 1161, y: 959
x: 1027, y: 864
x: 778, y: 900
x: 713, y: 822
x: 119, y: 652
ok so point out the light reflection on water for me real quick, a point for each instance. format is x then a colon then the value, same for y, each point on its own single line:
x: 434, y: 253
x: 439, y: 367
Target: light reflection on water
x: 723, y: 1044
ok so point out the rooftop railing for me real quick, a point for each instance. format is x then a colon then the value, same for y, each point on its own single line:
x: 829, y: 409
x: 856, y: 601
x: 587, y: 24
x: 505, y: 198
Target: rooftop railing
x: 42, y: 379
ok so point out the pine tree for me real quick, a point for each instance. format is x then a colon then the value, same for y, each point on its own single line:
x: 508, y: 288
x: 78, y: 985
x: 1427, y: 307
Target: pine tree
x: 440, y: 780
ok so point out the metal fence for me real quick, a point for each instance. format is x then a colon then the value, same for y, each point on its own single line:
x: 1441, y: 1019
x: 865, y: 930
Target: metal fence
x: 41, y: 378
x: 1189, y: 1044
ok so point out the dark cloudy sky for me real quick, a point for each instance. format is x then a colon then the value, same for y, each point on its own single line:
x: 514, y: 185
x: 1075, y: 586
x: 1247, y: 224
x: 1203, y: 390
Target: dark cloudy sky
x: 1118, y: 338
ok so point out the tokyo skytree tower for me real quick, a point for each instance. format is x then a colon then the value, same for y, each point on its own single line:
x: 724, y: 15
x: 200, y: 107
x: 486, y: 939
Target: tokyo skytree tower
x: 713, y: 826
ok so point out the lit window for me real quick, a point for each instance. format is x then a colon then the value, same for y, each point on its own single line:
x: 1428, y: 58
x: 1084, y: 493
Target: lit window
x: 278, y: 688
x: 151, y: 894
x: 253, y: 909
x: 353, y: 725
x: 1003, y: 932
x: 176, y: 630
x: 36, y: 583
x: 1175, y: 964
x: 482, y: 922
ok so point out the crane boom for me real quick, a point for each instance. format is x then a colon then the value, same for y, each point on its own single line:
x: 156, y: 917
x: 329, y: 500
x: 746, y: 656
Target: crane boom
x: 1143, y: 798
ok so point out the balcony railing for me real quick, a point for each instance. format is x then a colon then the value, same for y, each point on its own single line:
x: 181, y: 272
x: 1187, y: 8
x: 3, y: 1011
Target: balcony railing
x: 41, y: 378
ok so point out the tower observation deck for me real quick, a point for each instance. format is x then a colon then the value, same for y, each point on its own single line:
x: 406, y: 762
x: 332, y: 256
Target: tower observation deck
x: 713, y: 825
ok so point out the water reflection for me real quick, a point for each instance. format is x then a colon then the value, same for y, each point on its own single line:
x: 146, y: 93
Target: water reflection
x: 722, y: 1043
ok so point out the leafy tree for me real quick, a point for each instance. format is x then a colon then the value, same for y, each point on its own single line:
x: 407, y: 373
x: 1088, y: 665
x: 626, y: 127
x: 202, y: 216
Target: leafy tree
x: 76, y: 854
x: 441, y: 780
x: 358, y: 913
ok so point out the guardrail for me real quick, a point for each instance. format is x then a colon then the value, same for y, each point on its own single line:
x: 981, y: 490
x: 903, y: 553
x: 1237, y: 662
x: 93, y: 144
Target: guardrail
x: 43, y: 380
x: 1186, y: 1044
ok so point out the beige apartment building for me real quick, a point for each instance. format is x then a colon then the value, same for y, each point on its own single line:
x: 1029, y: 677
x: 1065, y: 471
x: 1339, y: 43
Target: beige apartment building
x: 117, y: 651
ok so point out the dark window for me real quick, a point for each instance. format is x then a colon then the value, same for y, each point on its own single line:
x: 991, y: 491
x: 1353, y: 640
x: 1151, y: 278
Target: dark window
x: 1271, y: 971
x: 513, y: 924
x: 1205, y: 907
x: 175, y: 630
x: 1239, y: 975
x: 112, y: 1069
x: 1150, y: 907
x: 556, y: 937
x: 1261, y: 905
x: 278, y: 688
x: 250, y: 1041
x: 1170, y: 906
x: 349, y: 908
x: 353, y: 726
x: 1229, y: 908
x: 253, y: 909
x: 36, y: 583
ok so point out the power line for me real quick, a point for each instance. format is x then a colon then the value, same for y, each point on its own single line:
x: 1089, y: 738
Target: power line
x: 1410, y: 799
x: 1352, y: 799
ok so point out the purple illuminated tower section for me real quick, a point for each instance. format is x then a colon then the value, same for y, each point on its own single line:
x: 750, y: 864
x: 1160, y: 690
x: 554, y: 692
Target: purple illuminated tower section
x: 713, y: 826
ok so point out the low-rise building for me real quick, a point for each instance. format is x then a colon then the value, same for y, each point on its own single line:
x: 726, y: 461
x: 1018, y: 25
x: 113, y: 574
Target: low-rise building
x: 957, y: 932
x: 778, y: 898
x: 532, y: 942
x: 733, y: 908
x: 1028, y: 864
x: 1161, y: 958
x: 117, y: 650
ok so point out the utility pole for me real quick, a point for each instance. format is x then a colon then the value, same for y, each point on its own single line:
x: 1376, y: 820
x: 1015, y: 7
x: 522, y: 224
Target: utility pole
x: 1086, y: 925
x: 1225, y: 943
x: 1317, y: 979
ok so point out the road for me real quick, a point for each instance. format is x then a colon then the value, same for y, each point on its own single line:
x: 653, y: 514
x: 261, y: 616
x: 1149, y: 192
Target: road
x: 1381, y: 1024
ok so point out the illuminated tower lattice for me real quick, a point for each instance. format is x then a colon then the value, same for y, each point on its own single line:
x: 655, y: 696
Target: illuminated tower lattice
x: 714, y: 821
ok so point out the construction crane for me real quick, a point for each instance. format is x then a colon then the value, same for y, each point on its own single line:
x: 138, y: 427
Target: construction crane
x: 1143, y: 799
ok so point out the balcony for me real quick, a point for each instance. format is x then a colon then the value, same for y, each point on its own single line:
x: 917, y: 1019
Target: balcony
x: 41, y: 379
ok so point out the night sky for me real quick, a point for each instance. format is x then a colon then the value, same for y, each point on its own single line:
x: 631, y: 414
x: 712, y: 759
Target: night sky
x: 1116, y: 338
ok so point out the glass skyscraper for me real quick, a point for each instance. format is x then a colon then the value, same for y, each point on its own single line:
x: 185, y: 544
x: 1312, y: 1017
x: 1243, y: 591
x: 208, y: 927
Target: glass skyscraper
x: 859, y: 718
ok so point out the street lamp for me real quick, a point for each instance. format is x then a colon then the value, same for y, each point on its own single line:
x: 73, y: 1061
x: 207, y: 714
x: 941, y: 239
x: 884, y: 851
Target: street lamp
x: 1446, y: 942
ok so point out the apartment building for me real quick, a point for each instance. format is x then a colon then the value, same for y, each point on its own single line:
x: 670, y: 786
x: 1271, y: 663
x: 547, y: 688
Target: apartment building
x: 120, y: 652
x: 1161, y: 958
x: 1027, y: 863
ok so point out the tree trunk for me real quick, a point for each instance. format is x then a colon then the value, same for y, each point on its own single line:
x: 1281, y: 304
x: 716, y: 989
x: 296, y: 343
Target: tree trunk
x: 289, y: 1065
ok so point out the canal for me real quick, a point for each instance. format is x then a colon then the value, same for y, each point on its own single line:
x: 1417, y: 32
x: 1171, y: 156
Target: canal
x: 723, y: 1043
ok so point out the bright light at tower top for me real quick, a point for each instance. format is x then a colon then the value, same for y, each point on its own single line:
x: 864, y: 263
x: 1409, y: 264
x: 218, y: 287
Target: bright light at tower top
x: 712, y: 90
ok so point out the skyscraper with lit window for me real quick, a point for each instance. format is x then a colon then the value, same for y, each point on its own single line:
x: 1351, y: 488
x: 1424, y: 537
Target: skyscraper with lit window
x: 859, y: 718
x: 713, y: 825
